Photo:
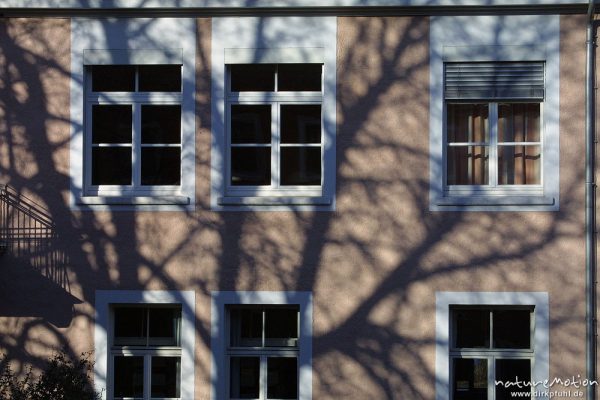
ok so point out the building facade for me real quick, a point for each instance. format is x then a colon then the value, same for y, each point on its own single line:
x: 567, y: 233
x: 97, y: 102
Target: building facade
x: 347, y: 200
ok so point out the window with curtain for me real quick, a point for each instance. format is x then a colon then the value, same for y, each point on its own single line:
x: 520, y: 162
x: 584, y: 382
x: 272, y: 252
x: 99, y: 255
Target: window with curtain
x: 493, y: 132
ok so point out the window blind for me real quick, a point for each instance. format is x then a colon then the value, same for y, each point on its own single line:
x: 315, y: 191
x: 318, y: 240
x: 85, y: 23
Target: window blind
x: 494, y: 80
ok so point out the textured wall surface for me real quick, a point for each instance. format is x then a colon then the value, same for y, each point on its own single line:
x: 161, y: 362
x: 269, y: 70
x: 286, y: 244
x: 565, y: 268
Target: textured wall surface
x: 373, y: 265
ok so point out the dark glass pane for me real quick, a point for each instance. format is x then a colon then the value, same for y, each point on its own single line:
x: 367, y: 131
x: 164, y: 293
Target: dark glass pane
x: 299, y: 77
x: 281, y: 327
x: 252, y: 77
x: 511, y: 329
x: 161, y: 165
x: 250, y: 165
x: 519, y: 165
x: 470, y: 379
x: 113, y: 78
x: 111, y: 124
x: 468, y: 165
x: 111, y: 166
x: 165, y: 380
x: 164, y: 326
x: 467, y: 123
x: 282, y: 378
x: 301, y: 165
x: 301, y: 123
x: 519, y: 122
x: 244, y: 377
x: 129, y: 377
x: 512, y: 371
x: 159, y: 78
x: 130, y: 326
x: 251, y: 124
x: 161, y: 124
x: 471, y: 328
x: 246, y: 327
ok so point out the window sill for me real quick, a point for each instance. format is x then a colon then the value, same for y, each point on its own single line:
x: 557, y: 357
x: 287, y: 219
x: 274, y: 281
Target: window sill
x: 133, y: 200
x: 511, y: 200
x: 273, y: 200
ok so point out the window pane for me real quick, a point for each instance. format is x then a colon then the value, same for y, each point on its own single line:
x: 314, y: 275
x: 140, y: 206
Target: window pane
x: 161, y: 124
x: 301, y: 123
x: 470, y: 379
x: 519, y: 122
x: 159, y: 78
x: 467, y: 123
x: 246, y: 327
x: 471, y: 328
x: 282, y: 378
x: 301, y: 165
x: 111, y: 166
x: 468, y: 165
x: 281, y: 327
x: 250, y: 165
x: 252, y: 77
x: 130, y: 326
x: 512, y: 329
x: 511, y: 371
x: 113, y: 78
x: 251, y: 124
x: 299, y: 77
x: 519, y: 165
x: 161, y: 165
x: 164, y: 326
x: 111, y: 124
x: 165, y: 380
x: 244, y: 377
x: 129, y: 377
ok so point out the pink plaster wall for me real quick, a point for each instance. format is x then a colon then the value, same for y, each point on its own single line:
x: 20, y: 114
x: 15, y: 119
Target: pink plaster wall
x: 373, y: 265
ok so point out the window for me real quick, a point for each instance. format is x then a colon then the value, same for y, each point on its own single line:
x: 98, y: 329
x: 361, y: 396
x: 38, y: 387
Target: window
x: 490, y: 344
x: 273, y: 110
x: 274, y: 125
x: 494, y: 143
x: 134, y: 126
x: 144, y: 344
x: 146, y: 352
x: 493, y: 131
x: 262, y: 352
x: 484, y: 337
x: 133, y: 116
x: 261, y: 345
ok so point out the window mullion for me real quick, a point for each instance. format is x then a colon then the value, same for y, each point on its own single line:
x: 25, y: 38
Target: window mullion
x: 493, y: 152
x: 263, y: 377
x: 491, y: 362
x: 263, y: 360
x: 491, y: 377
x: 136, y: 145
x: 275, y: 145
x: 147, y: 373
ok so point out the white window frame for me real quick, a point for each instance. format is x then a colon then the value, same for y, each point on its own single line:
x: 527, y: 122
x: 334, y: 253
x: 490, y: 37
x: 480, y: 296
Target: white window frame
x: 97, y: 41
x: 476, y: 39
x: 493, y: 146
x: 106, y: 299
x: 275, y: 100
x: 540, y: 320
x: 136, y: 100
x: 273, y: 40
x: 490, y: 354
x: 219, y: 335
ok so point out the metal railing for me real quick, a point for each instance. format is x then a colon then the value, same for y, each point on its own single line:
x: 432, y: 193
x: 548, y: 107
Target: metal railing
x: 22, y: 219
x: 28, y: 232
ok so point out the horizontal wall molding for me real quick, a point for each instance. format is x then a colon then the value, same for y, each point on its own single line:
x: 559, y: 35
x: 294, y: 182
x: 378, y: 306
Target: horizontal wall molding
x: 221, y: 8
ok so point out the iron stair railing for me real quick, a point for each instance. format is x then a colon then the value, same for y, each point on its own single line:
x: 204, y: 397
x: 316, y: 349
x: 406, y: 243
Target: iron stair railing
x: 22, y: 221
